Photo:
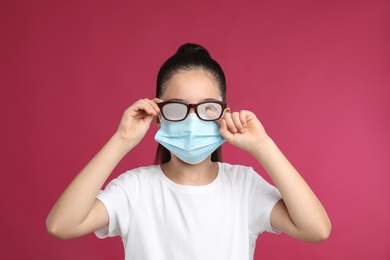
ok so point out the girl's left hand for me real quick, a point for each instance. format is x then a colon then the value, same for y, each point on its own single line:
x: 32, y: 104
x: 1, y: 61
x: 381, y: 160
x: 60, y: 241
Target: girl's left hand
x: 242, y: 129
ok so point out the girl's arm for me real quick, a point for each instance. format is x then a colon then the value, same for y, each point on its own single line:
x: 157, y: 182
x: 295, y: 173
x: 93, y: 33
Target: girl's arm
x: 299, y: 214
x: 77, y: 212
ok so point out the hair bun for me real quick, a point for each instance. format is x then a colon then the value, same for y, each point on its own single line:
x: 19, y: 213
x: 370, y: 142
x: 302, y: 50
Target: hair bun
x: 193, y: 49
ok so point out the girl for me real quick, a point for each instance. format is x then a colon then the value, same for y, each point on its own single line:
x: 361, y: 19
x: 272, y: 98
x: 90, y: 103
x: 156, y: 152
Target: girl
x: 189, y: 205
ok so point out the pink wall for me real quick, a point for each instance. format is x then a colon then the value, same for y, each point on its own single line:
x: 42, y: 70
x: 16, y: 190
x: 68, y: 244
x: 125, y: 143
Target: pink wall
x: 315, y: 72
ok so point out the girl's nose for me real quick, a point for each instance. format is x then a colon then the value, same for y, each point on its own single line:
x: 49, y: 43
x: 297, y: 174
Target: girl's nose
x: 192, y: 110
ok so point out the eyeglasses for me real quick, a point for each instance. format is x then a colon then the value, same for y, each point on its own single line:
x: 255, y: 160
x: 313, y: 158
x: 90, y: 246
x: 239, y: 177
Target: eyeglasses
x: 177, y: 111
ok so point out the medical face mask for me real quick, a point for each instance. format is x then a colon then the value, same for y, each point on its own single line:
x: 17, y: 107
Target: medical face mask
x: 192, y: 139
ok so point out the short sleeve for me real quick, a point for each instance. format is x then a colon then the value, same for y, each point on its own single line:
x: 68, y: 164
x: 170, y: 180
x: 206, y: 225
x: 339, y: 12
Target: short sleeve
x: 262, y: 199
x: 116, y: 201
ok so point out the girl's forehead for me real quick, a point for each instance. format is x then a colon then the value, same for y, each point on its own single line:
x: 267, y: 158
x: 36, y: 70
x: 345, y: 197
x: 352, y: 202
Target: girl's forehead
x: 192, y: 85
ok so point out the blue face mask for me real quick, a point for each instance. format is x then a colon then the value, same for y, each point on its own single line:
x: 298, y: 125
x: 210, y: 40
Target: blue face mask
x: 192, y: 139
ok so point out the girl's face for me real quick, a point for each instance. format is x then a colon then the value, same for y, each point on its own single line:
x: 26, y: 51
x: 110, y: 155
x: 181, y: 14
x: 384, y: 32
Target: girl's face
x: 191, y: 87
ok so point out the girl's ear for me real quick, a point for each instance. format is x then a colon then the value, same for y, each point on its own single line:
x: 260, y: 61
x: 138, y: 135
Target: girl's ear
x: 227, y: 110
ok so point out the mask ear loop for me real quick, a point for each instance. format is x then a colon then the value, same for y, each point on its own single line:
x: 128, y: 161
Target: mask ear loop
x: 159, y: 118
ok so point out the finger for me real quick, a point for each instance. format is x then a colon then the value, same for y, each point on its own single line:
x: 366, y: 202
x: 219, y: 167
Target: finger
x: 223, y: 130
x: 229, y: 123
x: 138, y: 110
x: 243, y: 117
x: 150, y: 107
x: 157, y: 100
x: 237, y: 121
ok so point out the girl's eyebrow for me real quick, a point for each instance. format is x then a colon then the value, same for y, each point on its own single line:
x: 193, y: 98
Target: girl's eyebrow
x: 183, y: 101
x: 176, y: 100
x: 211, y: 99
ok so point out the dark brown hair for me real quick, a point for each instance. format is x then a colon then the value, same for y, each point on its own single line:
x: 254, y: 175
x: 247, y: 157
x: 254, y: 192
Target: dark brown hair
x: 189, y: 56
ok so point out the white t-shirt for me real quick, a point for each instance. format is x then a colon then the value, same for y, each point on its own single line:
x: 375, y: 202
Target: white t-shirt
x: 159, y: 219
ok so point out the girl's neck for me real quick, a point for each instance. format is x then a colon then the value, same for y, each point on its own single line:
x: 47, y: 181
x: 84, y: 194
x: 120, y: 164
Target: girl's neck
x: 190, y: 174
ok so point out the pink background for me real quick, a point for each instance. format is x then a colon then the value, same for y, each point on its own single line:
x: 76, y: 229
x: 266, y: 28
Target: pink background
x: 315, y: 72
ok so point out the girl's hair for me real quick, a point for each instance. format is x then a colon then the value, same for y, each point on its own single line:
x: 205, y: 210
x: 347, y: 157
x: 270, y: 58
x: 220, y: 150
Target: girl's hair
x: 188, y: 57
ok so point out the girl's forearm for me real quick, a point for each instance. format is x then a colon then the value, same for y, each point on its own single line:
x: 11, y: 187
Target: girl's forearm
x: 303, y: 207
x: 75, y: 203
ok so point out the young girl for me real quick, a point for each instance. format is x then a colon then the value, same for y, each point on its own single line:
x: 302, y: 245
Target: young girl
x: 189, y: 205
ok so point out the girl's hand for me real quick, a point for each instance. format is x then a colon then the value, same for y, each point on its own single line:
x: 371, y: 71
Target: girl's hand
x: 136, y: 121
x: 243, y: 129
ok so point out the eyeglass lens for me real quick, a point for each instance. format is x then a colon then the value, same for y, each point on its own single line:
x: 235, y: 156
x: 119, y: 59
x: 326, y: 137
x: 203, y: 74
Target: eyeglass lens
x: 209, y: 111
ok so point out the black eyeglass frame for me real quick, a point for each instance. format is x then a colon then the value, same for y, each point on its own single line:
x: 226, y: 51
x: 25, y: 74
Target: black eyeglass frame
x: 195, y: 106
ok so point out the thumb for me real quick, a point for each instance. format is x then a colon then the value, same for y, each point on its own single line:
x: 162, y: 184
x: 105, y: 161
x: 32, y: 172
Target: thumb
x: 225, y: 133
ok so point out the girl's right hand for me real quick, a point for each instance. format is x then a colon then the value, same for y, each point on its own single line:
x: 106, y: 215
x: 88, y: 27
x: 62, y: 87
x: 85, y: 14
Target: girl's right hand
x: 136, y: 121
